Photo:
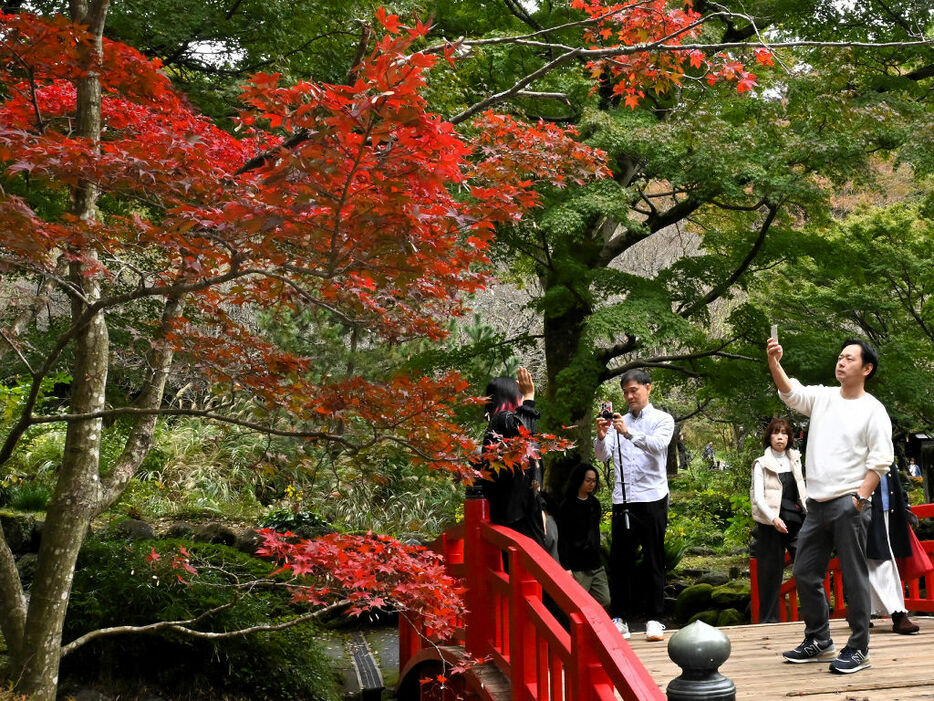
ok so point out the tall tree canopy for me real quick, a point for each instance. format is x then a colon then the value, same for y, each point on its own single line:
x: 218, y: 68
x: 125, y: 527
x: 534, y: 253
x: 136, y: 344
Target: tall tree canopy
x: 712, y: 181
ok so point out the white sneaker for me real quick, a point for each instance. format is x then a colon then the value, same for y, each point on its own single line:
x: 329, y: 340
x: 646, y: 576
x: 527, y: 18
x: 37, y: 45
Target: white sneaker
x: 622, y: 627
x: 654, y: 631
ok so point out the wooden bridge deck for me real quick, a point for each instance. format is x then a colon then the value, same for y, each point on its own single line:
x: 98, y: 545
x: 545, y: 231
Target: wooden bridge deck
x: 902, y: 665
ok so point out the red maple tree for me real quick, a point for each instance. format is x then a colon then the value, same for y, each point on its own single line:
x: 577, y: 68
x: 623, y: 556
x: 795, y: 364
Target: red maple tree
x: 654, y: 30
x: 352, y: 200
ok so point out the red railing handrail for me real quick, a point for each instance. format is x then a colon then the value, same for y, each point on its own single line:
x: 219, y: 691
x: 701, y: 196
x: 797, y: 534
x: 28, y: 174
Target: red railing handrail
x: 509, y: 622
x: 788, y: 593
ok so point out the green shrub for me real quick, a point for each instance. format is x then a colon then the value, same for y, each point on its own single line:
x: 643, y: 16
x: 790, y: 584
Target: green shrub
x: 115, y: 585
x: 306, y: 524
x: 29, y: 496
x: 675, y: 547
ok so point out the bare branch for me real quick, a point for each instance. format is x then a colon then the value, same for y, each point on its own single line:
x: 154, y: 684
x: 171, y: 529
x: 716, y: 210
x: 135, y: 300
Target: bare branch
x: 150, y: 628
x: 720, y: 288
x: 515, y: 89
x: 203, y: 413
x: 366, y: 33
x: 626, y: 346
x: 700, y: 407
x: 667, y: 361
x: 438, y: 48
x: 181, y: 626
x: 16, y: 349
x: 210, y: 635
x: 519, y: 11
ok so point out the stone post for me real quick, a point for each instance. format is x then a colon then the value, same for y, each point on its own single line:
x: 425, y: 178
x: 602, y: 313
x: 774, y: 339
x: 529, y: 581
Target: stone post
x: 699, y: 650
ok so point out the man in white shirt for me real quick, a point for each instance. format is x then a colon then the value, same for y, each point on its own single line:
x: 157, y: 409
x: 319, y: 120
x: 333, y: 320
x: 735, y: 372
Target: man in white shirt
x: 637, y: 443
x: 849, y: 447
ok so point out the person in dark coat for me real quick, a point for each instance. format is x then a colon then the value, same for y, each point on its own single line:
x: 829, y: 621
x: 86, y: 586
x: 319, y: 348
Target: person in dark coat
x: 886, y: 539
x: 514, y: 495
x: 579, y: 533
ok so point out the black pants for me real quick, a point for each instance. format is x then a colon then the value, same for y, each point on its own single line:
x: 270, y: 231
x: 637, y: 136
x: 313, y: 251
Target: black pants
x: 639, y: 590
x: 770, y: 555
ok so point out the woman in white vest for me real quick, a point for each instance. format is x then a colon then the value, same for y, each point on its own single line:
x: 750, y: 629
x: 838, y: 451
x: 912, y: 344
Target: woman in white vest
x: 777, y: 496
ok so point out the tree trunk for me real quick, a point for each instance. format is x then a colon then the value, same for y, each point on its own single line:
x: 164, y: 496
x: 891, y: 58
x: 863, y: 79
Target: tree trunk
x: 573, y: 377
x: 78, y: 489
x: 73, y: 503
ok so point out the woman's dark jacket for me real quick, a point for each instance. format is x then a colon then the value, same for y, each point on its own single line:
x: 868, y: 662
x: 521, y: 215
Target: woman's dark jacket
x: 898, y: 521
x: 514, y: 502
x: 579, y: 533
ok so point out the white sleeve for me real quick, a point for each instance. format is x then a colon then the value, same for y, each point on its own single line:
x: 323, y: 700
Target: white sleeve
x: 758, y: 491
x: 879, y: 438
x: 659, y: 439
x: 800, y: 398
x: 602, y: 448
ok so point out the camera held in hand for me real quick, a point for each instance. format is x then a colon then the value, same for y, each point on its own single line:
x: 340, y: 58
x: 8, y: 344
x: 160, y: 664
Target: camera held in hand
x: 606, y: 411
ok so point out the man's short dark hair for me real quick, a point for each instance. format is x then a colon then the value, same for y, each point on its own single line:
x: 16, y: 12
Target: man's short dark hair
x: 868, y: 353
x: 635, y: 375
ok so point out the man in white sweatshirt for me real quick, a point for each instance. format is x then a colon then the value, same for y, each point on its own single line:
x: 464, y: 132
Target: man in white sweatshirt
x: 849, y: 447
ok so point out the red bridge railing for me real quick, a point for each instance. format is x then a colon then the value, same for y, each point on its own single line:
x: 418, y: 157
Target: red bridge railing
x: 919, y: 592
x: 510, y: 623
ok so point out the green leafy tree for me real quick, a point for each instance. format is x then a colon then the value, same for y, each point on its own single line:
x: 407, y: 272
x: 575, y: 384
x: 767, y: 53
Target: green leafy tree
x: 871, y: 275
x: 710, y: 187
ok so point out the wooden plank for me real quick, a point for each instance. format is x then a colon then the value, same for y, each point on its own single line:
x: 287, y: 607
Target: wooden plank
x: 902, y: 665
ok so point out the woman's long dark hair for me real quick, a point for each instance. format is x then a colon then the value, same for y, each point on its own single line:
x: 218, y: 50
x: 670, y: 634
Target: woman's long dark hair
x: 502, y: 394
x: 578, y: 473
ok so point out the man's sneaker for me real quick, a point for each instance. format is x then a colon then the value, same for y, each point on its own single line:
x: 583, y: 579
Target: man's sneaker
x: 654, y: 631
x: 902, y: 625
x: 622, y: 627
x: 850, y: 660
x: 811, y: 650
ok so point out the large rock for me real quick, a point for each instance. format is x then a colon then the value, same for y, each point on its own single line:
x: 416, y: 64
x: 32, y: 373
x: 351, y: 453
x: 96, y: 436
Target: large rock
x: 714, y: 578
x: 248, y: 541
x: 709, y: 617
x: 732, y: 595
x: 134, y: 529
x: 730, y: 617
x: 692, y: 600
x: 21, y: 531
x: 180, y: 529
x: 216, y: 533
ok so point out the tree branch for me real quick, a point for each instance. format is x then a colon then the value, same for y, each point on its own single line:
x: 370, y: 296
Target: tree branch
x: 718, y: 290
x: 698, y: 410
x: 515, y: 89
x: 665, y: 361
x: 139, y: 440
x: 606, y: 355
x: 202, y: 413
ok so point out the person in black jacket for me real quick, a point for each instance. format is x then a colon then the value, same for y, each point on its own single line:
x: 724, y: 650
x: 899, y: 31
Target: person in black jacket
x: 514, y: 495
x: 579, y: 533
x: 886, y: 539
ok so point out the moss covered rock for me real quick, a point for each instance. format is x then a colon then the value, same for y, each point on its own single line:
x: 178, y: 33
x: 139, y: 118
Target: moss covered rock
x: 709, y: 617
x: 732, y: 595
x: 692, y: 600
x: 730, y: 617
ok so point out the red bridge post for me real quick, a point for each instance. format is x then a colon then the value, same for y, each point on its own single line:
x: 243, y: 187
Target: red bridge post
x: 479, y: 632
